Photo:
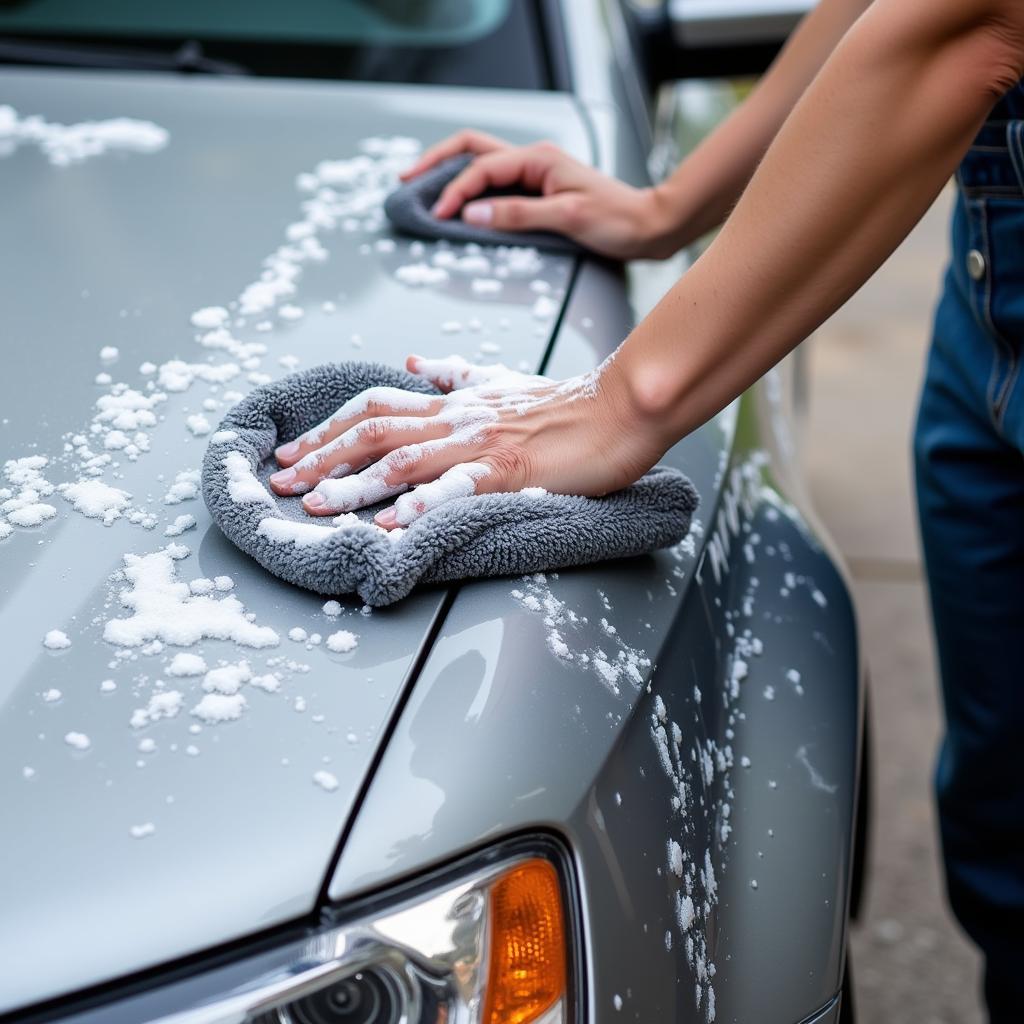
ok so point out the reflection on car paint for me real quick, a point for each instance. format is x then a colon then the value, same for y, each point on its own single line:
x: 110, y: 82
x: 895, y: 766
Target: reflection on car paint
x: 346, y: 194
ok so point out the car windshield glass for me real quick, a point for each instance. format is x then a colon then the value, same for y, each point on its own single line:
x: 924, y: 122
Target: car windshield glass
x: 372, y: 22
x: 451, y: 42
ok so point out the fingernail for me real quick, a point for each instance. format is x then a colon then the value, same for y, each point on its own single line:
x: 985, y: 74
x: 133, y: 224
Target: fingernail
x: 435, y: 208
x: 286, y: 451
x: 478, y: 213
x: 282, y: 478
x: 388, y: 519
x: 314, y: 500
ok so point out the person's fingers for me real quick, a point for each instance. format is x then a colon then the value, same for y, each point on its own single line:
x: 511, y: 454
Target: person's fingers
x: 379, y: 401
x: 351, y: 492
x: 502, y: 469
x: 466, y: 141
x: 515, y: 213
x: 460, y: 481
x: 396, y: 472
x: 525, y: 165
x: 454, y: 372
x: 357, y: 447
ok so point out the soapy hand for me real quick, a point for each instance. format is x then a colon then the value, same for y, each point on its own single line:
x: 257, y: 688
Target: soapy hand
x: 494, y: 430
x: 597, y: 211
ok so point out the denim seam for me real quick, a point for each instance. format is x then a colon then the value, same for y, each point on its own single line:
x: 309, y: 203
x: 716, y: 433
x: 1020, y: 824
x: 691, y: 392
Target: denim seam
x: 1015, y: 143
x: 985, y: 316
x: 992, y: 398
x: 1004, y: 398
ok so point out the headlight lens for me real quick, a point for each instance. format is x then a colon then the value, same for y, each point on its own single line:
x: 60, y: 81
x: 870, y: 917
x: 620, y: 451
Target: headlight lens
x: 367, y: 997
x: 491, y: 948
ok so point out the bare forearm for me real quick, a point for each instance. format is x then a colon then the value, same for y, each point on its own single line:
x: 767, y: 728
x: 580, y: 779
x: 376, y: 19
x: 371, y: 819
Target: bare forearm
x: 700, y: 193
x: 860, y: 159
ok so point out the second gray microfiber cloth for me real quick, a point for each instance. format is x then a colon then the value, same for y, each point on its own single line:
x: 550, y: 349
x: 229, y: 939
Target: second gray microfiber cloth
x: 408, y: 209
x: 484, y: 535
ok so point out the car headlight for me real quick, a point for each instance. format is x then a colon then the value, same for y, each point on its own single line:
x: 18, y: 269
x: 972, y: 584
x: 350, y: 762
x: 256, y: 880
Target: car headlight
x: 490, y: 948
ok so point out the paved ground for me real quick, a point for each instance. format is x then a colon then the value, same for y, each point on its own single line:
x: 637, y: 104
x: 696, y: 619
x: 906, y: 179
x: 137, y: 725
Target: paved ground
x: 911, y: 963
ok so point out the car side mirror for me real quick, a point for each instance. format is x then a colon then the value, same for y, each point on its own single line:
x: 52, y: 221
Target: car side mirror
x: 710, y: 38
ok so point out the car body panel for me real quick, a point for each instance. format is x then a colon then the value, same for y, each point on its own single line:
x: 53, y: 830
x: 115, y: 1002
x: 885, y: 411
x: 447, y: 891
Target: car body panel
x: 559, y: 751
x: 119, y: 250
x: 486, y: 731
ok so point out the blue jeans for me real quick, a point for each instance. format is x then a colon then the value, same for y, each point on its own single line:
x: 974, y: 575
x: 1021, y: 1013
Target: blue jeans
x: 969, y: 459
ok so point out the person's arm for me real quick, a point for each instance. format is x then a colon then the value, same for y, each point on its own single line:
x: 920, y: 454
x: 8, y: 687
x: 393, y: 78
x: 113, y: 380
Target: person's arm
x: 859, y: 160
x: 706, y: 186
x: 625, y: 222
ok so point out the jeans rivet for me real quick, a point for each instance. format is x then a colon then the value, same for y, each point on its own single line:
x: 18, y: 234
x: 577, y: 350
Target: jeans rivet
x: 975, y: 265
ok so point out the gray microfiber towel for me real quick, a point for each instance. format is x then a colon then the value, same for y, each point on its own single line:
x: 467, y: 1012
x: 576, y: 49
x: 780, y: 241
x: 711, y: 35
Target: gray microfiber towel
x: 469, y: 537
x: 408, y: 209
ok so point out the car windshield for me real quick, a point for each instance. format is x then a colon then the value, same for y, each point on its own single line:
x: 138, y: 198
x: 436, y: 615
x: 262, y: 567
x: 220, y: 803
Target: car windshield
x: 443, y: 42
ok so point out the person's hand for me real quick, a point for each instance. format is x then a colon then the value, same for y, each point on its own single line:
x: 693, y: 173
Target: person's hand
x: 572, y: 199
x: 494, y: 430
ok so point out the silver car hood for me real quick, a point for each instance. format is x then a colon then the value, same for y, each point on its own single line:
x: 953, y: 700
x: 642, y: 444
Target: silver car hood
x: 156, y: 841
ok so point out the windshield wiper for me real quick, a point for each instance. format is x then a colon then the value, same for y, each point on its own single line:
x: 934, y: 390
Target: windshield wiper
x: 187, y: 58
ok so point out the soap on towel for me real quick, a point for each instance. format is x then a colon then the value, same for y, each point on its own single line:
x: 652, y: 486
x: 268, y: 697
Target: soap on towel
x: 466, y: 538
x: 408, y: 209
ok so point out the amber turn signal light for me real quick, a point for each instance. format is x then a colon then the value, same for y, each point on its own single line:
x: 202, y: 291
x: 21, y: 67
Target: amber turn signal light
x: 527, y: 974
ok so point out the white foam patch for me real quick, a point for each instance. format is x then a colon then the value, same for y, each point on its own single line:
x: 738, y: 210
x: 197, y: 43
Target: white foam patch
x: 186, y: 664
x: 95, y: 499
x: 20, y: 502
x: 180, y: 525
x: 300, y: 535
x: 164, y: 608
x: 243, y: 487
x: 198, y: 424
x: 268, y: 682
x: 570, y: 635
x: 33, y: 514
x: 219, y: 707
x: 209, y: 317
x: 675, y: 858
x: 419, y: 274
x: 164, y: 704
x: 227, y: 679
x: 184, y: 488
x: 56, y: 640
x: 342, y: 642
x: 64, y: 144
x: 177, y: 376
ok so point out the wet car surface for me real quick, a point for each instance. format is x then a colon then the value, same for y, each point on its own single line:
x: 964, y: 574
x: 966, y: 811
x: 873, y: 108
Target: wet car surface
x: 682, y: 729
